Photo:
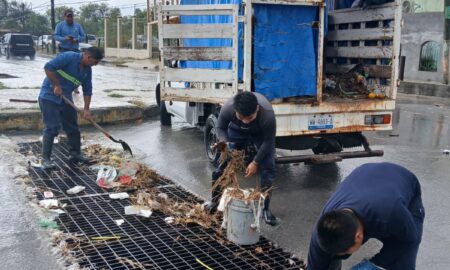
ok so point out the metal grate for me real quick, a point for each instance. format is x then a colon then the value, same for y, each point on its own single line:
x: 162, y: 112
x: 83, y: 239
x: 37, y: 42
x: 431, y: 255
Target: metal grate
x: 149, y: 243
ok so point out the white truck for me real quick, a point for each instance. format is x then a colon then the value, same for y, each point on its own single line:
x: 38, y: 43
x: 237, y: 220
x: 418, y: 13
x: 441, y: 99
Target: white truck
x: 360, y: 46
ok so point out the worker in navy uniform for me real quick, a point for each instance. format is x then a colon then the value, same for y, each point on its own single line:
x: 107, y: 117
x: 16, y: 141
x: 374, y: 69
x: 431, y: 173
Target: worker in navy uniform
x: 377, y: 200
x: 248, y: 120
x: 65, y: 73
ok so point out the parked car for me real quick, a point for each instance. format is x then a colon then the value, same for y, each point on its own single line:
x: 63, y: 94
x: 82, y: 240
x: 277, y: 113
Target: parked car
x: 83, y: 46
x: 44, y: 41
x: 16, y: 44
x: 92, y: 39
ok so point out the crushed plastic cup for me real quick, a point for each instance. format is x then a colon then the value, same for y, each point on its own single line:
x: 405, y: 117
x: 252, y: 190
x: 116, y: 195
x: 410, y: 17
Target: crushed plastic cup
x: 120, y: 196
x: 75, y: 190
x: 48, y: 203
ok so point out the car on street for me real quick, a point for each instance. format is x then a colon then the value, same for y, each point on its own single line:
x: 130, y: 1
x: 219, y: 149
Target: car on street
x: 17, y: 44
x: 44, y: 41
x: 92, y: 39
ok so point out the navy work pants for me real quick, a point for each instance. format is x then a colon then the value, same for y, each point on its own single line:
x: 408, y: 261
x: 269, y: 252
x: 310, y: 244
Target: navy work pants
x: 56, y: 116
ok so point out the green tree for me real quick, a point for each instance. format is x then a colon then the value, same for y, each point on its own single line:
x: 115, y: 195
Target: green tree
x: 59, y: 13
x: 37, y: 24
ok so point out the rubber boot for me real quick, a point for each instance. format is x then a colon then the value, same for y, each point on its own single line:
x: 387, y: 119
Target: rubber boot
x: 74, y: 141
x: 269, y: 218
x: 216, y: 193
x: 47, y: 145
x: 211, y: 206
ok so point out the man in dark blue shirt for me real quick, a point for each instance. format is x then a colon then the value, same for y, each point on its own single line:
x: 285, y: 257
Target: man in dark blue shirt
x: 65, y: 73
x: 248, y: 120
x: 377, y: 200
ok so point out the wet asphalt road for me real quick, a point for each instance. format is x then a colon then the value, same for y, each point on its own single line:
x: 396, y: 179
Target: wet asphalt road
x: 422, y: 126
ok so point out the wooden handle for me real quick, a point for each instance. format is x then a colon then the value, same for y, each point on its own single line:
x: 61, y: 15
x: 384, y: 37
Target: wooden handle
x: 90, y: 120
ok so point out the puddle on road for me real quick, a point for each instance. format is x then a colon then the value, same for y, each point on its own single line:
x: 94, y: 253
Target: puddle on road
x: 6, y: 76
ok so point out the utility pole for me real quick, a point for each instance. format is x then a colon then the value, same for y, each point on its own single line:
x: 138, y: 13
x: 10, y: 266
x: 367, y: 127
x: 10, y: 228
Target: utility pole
x: 148, y: 11
x: 52, y: 8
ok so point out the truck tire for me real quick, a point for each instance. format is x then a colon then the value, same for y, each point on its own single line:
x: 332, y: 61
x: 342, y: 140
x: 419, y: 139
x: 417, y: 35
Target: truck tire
x: 327, y: 146
x: 164, y: 116
x: 210, y: 139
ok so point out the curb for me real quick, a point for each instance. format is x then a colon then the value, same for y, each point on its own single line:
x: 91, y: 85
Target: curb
x: 31, y: 120
x: 424, y: 89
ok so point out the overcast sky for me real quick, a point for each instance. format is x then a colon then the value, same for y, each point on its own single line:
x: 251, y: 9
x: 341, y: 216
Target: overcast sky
x: 126, y: 6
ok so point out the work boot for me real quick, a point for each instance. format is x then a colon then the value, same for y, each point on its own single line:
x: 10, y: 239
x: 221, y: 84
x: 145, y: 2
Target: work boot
x: 74, y: 141
x: 269, y: 218
x: 211, y: 206
x: 47, y: 145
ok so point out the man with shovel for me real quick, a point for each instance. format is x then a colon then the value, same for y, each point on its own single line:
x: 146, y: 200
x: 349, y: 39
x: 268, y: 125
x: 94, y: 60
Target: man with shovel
x: 65, y: 73
x: 248, y: 120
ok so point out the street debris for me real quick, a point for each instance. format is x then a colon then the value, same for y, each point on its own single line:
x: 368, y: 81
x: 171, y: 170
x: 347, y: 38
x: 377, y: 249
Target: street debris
x: 119, y: 221
x: 48, y: 194
x: 105, y: 238
x: 75, y: 190
x: 119, y: 196
x: 203, y: 264
x: 446, y: 152
x: 49, y: 203
x: 47, y: 223
x: 132, y: 264
x: 106, y: 175
x: 139, y: 210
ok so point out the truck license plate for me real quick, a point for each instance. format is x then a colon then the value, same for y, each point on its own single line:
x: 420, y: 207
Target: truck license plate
x: 320, y: 121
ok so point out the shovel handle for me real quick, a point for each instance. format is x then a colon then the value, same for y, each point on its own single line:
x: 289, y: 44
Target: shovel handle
x: 90, y: 120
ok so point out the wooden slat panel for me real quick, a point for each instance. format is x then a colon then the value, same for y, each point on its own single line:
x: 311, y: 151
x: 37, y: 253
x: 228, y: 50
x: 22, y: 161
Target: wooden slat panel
x: 228, y: 8
x: 198, y: 53
x: 375, y: 71
x: 217, y: 96
x: 197, y: 30
x: 289, y: 2
x: 361, y: 34
x: 359, y: 52
x: 386, y: 12
x: 198, y: 75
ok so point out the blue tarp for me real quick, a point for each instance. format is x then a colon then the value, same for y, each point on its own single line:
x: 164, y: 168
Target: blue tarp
x: 285, y: 50
x: 284, y: 47
x: 212, y: 42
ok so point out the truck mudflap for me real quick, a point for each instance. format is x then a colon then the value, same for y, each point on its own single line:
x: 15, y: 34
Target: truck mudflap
x: 328, y: 158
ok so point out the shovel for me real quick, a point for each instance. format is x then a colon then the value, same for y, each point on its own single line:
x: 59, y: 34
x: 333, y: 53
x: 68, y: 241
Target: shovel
x: 125, y: 145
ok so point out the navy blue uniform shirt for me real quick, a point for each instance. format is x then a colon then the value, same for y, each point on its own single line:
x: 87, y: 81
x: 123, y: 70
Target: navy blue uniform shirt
x: 386, y: 197
x: 69, y: 62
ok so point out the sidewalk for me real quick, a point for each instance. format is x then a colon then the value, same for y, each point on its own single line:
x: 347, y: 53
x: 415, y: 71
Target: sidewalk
x: 120, y: 94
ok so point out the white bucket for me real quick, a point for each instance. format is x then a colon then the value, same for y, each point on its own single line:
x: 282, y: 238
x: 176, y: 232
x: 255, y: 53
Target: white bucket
x: 242, y: 228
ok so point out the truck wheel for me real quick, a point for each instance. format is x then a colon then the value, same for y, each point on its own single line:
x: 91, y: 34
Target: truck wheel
x: 327, y: 146
x: 210, y: 138
x: 164, y: 116
x: 158, y: 94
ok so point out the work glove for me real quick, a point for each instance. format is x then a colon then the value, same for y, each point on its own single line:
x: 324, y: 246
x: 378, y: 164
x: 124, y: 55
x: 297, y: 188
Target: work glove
x: 366, y: 265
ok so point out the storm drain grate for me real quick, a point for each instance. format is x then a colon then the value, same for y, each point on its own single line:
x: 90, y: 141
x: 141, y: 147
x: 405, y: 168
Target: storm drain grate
x: 146, y: 243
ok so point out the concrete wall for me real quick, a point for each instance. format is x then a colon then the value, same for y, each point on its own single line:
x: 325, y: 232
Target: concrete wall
x: 417, y: 29
x: 429, y: 5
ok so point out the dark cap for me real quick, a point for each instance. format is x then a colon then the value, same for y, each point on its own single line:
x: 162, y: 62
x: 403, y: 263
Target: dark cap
x: 67, y: 12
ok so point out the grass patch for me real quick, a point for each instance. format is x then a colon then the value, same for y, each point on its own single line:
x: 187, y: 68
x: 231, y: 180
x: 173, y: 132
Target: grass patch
x: 138, y: 103
x: 116, y: 95
x: 124, y: 90
x: 2, y: 86
x: 28, y: 87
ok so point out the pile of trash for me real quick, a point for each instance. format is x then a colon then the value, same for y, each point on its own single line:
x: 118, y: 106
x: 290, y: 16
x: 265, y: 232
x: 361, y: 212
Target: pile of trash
x: 116, y: 171
x: 354, y: 83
